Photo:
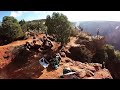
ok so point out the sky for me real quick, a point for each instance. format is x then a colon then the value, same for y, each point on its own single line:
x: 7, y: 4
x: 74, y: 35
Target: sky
x: 72, y: 15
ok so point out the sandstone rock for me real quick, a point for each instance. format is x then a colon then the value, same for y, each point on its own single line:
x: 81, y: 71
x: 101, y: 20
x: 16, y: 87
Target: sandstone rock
x: 91, y: 68
x: 89, y: 78
x: 67, y: 60
x: 76, y: 69
x: 63, y: 54
x: 82, y: 74
x: 103, y: 74
x: 97, y: 68
x: 89, y: 73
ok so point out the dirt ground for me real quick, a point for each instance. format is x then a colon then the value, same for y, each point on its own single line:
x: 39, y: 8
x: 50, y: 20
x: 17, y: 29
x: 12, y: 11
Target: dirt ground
x: 29, y: 68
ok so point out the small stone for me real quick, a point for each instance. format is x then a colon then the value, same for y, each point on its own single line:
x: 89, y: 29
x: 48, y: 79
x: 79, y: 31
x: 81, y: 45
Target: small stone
x: 35, y: 56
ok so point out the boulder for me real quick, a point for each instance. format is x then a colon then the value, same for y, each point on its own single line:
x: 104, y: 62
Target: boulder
x: 103, y: 74
x: 82, y: 74
x: 91, y: 68
x: 62, y: 54
x: 89, y: 73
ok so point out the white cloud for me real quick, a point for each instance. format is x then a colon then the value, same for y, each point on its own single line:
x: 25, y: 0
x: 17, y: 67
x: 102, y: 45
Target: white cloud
x: 92, y: 15
x: 77, y: 15
x: 19, y: 13
x: 37, y: 12
x: 16, y: 13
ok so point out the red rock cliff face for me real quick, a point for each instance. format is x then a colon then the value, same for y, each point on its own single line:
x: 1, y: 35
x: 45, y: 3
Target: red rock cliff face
x: 93, y: 42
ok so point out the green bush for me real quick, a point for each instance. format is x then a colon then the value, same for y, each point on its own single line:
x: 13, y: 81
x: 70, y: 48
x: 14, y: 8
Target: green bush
x: 105, y: 53
x: 23, y: 25
x: 36, y: 26
x: 81, y: 53
x: 86, y: 54
x: 108, y: 47
x: 117, y: 53
x: 100, y: 56
x: 58, y: 25
x: 110, y: 51
x: 11, y: 29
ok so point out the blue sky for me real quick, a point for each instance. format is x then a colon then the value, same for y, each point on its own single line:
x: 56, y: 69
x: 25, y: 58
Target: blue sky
x: 26, y: 15
x: 4, y: 13
x: 72, y: 15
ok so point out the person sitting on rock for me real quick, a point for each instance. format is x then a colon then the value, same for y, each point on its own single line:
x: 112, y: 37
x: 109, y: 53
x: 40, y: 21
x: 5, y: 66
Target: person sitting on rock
x: 34, y: 42
x: 43, y: 38
x: 36, y: 46
x: 27, y: 46
x: 54, y: 38
x: 58, y: 56
x: 46, y: 43
x: 34, y: 37
x: 49, y: 44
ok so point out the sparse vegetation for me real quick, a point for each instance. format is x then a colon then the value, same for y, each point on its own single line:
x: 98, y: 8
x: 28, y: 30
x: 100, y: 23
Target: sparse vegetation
x: 110, y: 51
x: 86, y: 54
x: 107, y: 52
x: 73, y: 31
x: 80, y: 54
x: 36, y: 26
x: 100, y: 56
x: 117, y: 53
